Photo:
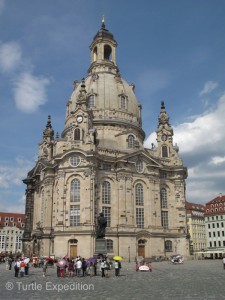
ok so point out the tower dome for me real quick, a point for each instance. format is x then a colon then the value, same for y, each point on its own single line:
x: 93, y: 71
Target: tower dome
x: 110, y: 98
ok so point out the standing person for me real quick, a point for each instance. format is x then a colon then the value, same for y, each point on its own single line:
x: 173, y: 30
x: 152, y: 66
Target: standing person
x: 71, y: 268
x: 10, y: 263
x: 78, y: 267
x: 84, y: 267
x: 116, y: 266
x: 102, y: 267
x: 95, y: 268
x: 224, y: 262
x: 44, y: 268
x: 120, y: 266
x: 22, y: 268
x: 91, y: 269
x: 26, y: 268
x: 17, y: 267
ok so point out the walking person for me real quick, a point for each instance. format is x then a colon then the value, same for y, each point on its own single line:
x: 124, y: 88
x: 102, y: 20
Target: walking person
x: 116, y: 266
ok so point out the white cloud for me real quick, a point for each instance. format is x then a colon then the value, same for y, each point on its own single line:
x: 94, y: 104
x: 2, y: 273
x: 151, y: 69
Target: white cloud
x: 202, y: 148
x: 30, y: 92
x: 12, y: 174
x: 208, y: 88
x: 10, y: 56
x: 218, y: 160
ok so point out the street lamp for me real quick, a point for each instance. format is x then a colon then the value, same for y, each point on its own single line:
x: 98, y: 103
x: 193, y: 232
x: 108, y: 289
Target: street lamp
x: 129, y: 253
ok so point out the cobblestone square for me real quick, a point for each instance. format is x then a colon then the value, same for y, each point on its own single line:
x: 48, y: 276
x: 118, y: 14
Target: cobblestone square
x: 202, y: 279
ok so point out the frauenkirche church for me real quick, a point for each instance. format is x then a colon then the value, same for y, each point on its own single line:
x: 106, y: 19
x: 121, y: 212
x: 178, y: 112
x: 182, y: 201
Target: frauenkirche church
x: 99, y: 164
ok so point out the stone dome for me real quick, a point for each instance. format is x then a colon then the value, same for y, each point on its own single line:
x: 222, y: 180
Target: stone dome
x: 109, y: 97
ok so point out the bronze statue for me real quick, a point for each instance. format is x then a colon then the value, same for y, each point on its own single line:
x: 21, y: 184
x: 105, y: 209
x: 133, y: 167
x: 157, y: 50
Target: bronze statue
x: 101, y: 226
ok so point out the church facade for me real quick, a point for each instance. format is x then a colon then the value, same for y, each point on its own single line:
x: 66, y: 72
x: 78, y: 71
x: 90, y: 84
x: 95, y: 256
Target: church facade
x: 99, y: 164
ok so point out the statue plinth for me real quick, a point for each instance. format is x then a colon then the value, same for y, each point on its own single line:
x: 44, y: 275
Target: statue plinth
x: 100, y: 246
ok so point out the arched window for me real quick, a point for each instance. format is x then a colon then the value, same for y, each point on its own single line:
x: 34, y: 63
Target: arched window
x: 139, y: 165
x: 163, y: 198
x: 95, y: 52
x: 106, y: 192
x: 130, y: 141
x: 77, y: 134
x: 165, y: 151
x: 168, y: 246
x: 107, y: 52
x: 75, y: 190
x: 139, y: 194
x: 91, y: 101
x: 123, y: 102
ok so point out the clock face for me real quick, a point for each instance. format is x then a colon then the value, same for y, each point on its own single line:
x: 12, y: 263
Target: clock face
x: 164, y: 137
x: 79, y: 119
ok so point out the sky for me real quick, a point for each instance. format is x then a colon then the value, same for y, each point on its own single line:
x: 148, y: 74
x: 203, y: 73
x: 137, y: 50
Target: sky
x: 173, y: 50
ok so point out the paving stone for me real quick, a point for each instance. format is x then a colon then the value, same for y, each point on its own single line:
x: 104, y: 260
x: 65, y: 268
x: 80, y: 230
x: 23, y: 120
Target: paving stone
x: 193, y: 280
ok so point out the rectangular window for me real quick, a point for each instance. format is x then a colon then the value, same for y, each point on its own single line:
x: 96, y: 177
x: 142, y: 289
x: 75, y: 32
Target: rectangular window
x: 208, y: 225
x: 219, y: 243
x: 140, y: 217
x: 217, y: 225
x: 109, y: 245
x: 106, y: 167
x: 2, y: 242
x: 210, y: 244
x: 213, y: 225
x: 218, y: 233
x: 107, y: 214
x: 223, y: 243
x: 221, y: 224
x: 74, y: 215
x: 18, y: 243
x: 164, y: 216
x: 214, y: 234
x: 222, y: 233
x: 209, y: 234
x: 215, y: 244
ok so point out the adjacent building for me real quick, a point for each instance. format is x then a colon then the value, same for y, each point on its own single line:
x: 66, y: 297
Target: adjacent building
x: 99, y: 164
x: 11, y: 232
x: 215, y: 224
x: 196, y: 226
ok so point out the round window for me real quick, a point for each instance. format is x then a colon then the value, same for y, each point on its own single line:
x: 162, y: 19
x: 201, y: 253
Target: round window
x: 74, y: 160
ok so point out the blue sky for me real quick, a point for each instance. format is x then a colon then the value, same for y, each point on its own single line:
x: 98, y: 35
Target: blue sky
x: 173, y: 50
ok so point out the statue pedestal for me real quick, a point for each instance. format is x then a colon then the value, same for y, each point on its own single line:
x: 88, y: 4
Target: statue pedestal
x: 100, y: 246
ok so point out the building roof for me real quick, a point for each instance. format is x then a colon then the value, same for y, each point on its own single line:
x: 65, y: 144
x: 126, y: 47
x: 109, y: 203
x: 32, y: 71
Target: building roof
x: 195, y: 210
x: 194, y: 206
x: 220, y: 198
x: 12, y: 219
x: 216, y: 206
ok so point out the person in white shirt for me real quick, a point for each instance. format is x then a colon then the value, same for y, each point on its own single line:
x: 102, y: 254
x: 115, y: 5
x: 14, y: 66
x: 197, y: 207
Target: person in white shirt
x: 78, y: 267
